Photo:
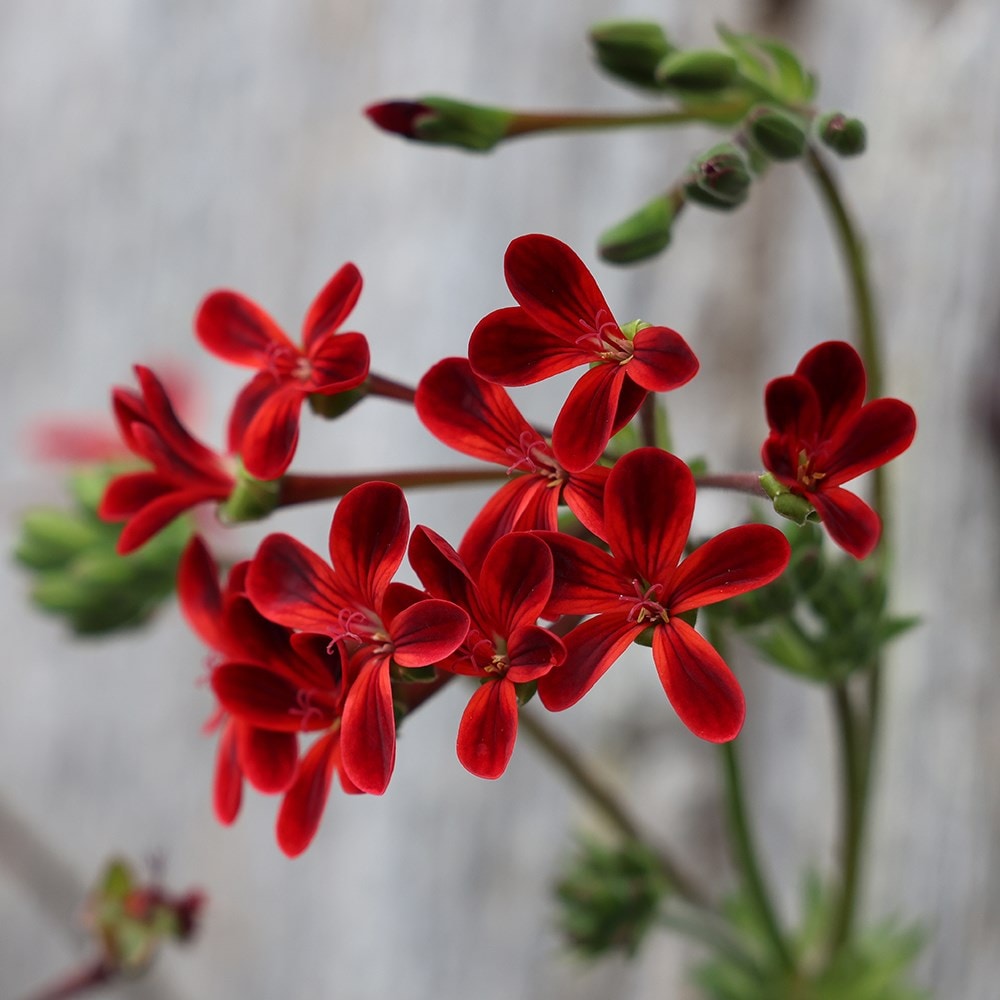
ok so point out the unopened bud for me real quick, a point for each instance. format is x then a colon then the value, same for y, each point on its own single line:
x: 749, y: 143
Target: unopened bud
x: 845, y: 136
x: 697, y: 70
x: 631, y: 50
x: 443, y: 121
x: 778, y: 134
x: 721, y: 178
x: 51, y: 537
x: 641, y: 235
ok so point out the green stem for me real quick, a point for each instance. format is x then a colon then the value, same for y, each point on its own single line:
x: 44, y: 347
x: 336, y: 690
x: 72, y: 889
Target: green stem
x: 712, y: 932
x: 746, y: 854
x: 607, y: 802
x: 529, y: 122
x: 306, y: 489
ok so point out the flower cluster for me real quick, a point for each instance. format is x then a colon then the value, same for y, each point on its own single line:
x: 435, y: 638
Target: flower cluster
x: 317, y: 661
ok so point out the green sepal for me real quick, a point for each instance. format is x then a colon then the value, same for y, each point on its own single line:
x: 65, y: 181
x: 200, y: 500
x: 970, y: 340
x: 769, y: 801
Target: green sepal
x: 697, y: 71
x: 448, y: 122
x: 643, y: 234
x: 631, y: 50
x: 525, y: 691
x: 415, y: 675
x: 336, y: 404
x: 771, y: 67
x: 796, y: 508
x: 251, y: 500
x: 778, y: 134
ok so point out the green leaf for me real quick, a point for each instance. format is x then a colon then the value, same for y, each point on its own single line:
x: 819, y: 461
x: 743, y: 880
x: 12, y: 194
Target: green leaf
x: 770, y: 66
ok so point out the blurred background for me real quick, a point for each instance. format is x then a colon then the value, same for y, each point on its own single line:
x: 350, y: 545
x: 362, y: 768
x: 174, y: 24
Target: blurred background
x: 152, y: 152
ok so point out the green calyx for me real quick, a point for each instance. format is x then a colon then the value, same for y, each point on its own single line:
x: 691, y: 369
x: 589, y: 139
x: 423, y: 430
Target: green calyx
x: 448, y: 122
x: 721, y: 178
x: 251, y: 499
x: 337, y: 404
x: 778, y: 134
x: 697, y: 71
x: 643, y: 234
x: 631, y: 50
x: 787, y: 503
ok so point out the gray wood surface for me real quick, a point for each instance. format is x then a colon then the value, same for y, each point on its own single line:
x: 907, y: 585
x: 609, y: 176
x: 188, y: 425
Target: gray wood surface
x: 150, y: 152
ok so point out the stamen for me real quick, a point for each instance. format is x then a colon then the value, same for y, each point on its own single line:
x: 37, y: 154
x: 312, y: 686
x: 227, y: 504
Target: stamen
x: 645, y: 604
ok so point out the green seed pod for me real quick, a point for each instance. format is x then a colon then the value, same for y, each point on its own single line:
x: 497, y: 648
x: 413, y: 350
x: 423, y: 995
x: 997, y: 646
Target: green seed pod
x: 641, y: 235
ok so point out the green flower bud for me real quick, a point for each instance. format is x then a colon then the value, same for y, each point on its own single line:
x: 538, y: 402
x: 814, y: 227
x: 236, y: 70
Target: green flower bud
x: 443, y: 121
x: 51, y: 537
x: 251, y: 499
x: 845, y: 136
x: 778, y: 134
x: 721, y: 178
x: 631, y: 50
x: 697, y: 70
x: 641, y: 235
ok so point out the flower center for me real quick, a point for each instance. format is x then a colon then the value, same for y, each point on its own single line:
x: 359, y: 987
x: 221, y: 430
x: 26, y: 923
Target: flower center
x: 532, y: 454
x: 806, y: 474
x: 285, y: 362
x: 605, y: 338
x: 646, y: 607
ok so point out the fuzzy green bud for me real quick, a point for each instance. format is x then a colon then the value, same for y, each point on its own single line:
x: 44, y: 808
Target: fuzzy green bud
x: 631, y: 50
x: 643, y: 234
x: 699, y: 71
x: 778, y: 134
x: 443, y: 121
x: 721, y: 178
x: 845, y: 136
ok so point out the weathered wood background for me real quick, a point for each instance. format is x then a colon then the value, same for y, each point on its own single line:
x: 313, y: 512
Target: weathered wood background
x: 150, y: 152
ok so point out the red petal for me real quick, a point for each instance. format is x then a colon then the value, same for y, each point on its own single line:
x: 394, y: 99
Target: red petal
x: 584, y: 495
x: 736, y: 561
x: 554, y: 286
x: 591, y: 648
x: 508, y: 347
x: 268, y: 444
x: 198, y: 592
x: 130, y: 492
x: 331, y: 307
x: 516, y: 581
x: 835, y: 371
x: 879, y: 432
x: 291, y: 585
x: 427, y: 632
x: 586, y: 580
x: 251, y: 398
x: 533, y: 652
x: 648, y: 506
x: 264, y: 699
x: 661, y: 359
x: 488, y: 729
x: 339, y: 362
x: 238, y: 330
x: 851, y: 523
x: 792, y: 408
x: 227, y: 788
x: 471, y: 415
x: 702, y: 689
x: 584, y: 424
x: 368, y: 537
x: 154, y: 517
x: 368, y: 730
x: 303, y: 804
x: 269, y: 759
x: 439, y: 566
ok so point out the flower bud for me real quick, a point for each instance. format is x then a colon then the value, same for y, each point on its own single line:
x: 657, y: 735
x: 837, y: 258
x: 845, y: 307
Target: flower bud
x: 442, y: 121
x: 631, y: 50
x: 697, y: 70
x: 641, y: 235
x: 51, y: 537
x: 778, y: 134
x: 721, y: 178
x: 845, y: 136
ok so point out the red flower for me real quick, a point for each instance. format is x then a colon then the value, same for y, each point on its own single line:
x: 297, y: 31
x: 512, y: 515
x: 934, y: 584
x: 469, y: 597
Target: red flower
x: 823, y: 434
x: 563, y: 322
x: 505, y: 647
x: 355, y: 603
x: 272, y: 684
x: 478, y: 418
x: 185, y: 473
x: 264, y: 426
x: 648, y: 506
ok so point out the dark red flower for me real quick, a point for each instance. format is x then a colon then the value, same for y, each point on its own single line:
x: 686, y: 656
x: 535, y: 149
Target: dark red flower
x: 272, y: 684
x: 355, y: 604
x: 185, y: 473
x: 505, y: 647
x: 639, y: 586
x: 823, y: 434
x: 563, y: 322
x: 478, y: 418
x: 264, y: 425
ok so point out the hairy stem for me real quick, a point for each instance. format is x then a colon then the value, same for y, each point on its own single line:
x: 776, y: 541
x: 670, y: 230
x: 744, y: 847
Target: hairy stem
x: 530, y: 122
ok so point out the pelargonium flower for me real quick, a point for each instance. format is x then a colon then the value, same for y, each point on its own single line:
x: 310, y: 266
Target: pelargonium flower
x: 505, y: 647
x: 823, y: 434
x: 639, y: 587
x: 185, y: 472
x: 355, y: 603
x: 562, y: 321
x: 264, y: 425
x: 272, y: 684
x: 479, y: 419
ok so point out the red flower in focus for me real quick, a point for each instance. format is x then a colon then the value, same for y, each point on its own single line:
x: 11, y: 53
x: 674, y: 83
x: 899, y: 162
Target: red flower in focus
x: 264, y: 425
x: 504, y: 647
x: 185, y: 473
x: 356, y: 604
x: 563, y: 322
x: 648, y: 503
x: 478, y: 418
x: 823, y: 434
x: 271, y: 684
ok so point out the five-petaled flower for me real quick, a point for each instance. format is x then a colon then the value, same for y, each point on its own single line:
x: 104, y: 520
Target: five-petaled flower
x: 479, y: 419
x: 272, y: 684
x: 379, y: 623
x: 823, y: 434
x: 562, y: 321
x: 639, y: 586
x: 185, y: 473
x: 264, y: 425
x: 505, y: 646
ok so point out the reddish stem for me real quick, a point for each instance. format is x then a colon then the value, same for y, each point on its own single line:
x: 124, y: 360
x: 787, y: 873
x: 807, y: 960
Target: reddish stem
x: 78, y: 982
x: 379, y: 385
x: 740, y: 482
x: 305, y: 489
